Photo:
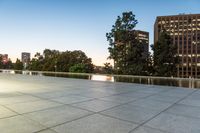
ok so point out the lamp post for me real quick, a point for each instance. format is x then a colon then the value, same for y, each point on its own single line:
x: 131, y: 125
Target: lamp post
x: 55, y: 66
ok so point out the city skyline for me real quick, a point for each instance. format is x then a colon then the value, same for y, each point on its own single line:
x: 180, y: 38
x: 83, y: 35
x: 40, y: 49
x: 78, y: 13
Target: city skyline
x: 31, y: 26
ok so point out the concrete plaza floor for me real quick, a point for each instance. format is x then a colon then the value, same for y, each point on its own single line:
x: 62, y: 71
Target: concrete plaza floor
x: 60, y: 105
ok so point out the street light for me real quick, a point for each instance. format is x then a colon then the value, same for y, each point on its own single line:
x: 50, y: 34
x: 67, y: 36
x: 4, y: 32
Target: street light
x: 55, y: 66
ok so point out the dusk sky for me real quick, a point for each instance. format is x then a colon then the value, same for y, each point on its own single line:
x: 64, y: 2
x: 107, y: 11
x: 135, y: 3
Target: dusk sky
x: 33, y: 25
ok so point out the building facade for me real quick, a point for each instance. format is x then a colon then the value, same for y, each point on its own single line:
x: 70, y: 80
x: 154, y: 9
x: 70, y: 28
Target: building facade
x: 143, y: 38
x: 26, y: 57
x: 184, y: 30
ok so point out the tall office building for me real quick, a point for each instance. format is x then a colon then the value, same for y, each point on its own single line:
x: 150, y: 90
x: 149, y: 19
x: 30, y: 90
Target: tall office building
x: 26, y: 57
x: 184, y: 30
x: 143, y: 38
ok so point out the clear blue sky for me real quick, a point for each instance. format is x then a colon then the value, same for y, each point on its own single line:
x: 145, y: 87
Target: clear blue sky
x: 33, y: 25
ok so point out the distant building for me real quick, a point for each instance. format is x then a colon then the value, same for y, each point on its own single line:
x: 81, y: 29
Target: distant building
x: 4, y: 58
x: 143, y: 38
x: 184, y: 30
x: 26, y: 57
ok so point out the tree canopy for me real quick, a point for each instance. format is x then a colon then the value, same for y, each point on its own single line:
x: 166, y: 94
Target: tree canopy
x: 108, y: 68
x: 124, y: 47
x: 18, y: 65
x: 165, y: 56
x: 54, y: 60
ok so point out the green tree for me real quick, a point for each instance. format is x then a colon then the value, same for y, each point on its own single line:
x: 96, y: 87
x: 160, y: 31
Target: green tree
x: 18, y: 65
x: 79, y: 57
x: 124, y: 47
x: 165, y: 56
x: 5, y: 65
x: 108, y: 69
x: 78, y: 68
x: 50, y: 59
x: 1, y: 62
x: 8, y: 65
x: 62, y: 63
x: 54, y: 60
x: 149, y: 65
x: 68, y: 59
x: 36, y: 64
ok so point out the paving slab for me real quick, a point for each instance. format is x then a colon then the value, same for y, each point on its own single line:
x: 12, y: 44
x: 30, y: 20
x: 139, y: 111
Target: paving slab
x: 19, y: 124
x: 151, y: 90
x: 163, y: 98
x: 17, y: 99
x: 47, y: 131
x: 186, y: 110
x: 175, y: 123
x: 70, y: 99
x: 136, y: 94
x: 96, y: 105
x: 131, y: 113
x: 194, y: 96
x: 8, y: 94
x: 177, y: 92
x: 119, y: 99
x: 190, y: 102
x: 4, y: 112
x: 147, y: 130
x: 94, y: 94
x: 32, y: 106
x: 95, y: 124
x: 152, y: 104
x: 116, y: 89
x: 39, y: 104
x: 53, y: 94
x: 58, y: 115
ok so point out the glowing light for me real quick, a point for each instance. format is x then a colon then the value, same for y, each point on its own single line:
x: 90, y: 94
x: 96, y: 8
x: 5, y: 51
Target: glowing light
x: 102, y: 78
